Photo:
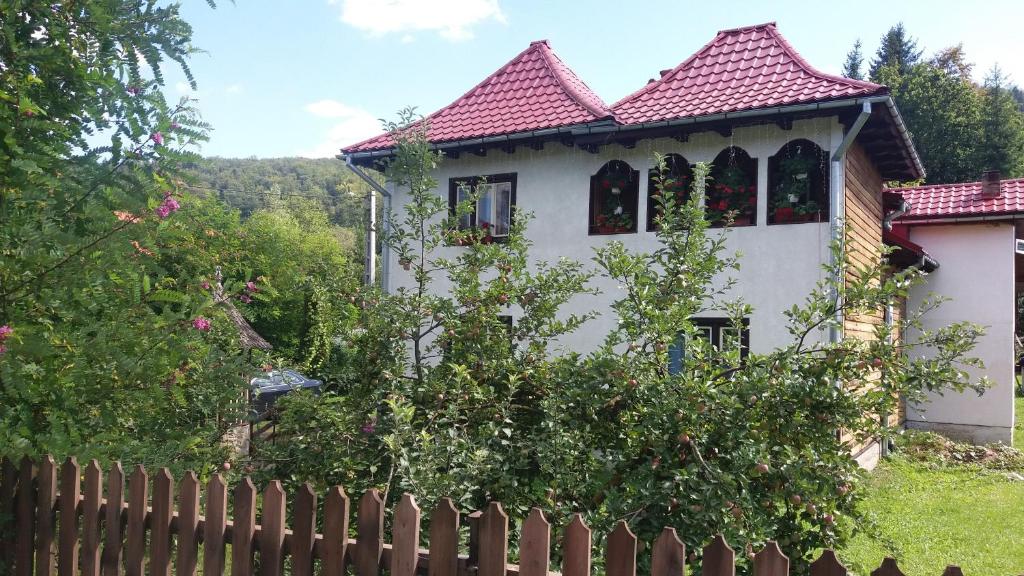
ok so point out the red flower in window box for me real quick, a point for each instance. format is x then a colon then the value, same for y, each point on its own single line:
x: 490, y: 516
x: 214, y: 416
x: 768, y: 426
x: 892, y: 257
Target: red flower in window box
x: 784, y: 214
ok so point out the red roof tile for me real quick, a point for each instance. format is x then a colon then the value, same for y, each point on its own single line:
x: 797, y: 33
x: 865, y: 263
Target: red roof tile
x: 534, y: 91
x: 940, y: 201
x: 740, y: 69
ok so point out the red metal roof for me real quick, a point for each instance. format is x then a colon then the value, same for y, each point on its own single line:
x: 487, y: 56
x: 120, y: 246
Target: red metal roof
x: 944, y: 201
x: 740, y: 69
x: 534, y: 91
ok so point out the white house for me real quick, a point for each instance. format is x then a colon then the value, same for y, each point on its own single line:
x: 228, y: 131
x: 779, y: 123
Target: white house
x: 795, y: 153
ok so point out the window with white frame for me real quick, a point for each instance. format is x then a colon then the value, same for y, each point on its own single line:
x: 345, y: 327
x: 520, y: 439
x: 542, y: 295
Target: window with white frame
x: 488, y: 201
x: 720, y: 333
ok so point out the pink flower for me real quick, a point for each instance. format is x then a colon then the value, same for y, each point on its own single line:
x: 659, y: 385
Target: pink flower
x: 205, y: 285
x: 133, y: 90
x: 5, y: 331
x: 200, y: 323
x: 158, y: 138
x: 168, y: 206
x: 251, y: 287
x: 245, y: 298
x: 174, y: 126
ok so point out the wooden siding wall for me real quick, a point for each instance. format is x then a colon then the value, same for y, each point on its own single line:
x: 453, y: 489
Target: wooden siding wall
x: 863, y: 205
x: 864, y: 212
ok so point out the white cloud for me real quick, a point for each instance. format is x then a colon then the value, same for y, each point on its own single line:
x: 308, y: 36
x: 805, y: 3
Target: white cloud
x: 233, y: 89
x: 452, y: 19
x: 354, y: 125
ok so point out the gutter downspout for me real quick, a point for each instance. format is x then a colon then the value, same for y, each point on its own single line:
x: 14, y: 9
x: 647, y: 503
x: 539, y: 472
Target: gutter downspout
x: 837, y: 177
x: 371, y: 226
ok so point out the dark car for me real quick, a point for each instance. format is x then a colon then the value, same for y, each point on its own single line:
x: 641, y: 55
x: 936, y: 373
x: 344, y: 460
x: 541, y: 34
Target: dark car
x: 267, y: 388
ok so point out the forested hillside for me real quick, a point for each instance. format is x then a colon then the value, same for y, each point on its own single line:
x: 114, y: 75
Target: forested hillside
x: 249, y: 184
x: 960, y: 127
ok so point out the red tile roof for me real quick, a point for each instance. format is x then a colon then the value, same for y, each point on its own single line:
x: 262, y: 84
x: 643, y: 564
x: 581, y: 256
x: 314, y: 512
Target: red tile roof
x: 534, y: 91
x: 944, y: 201
x: 740, y: 69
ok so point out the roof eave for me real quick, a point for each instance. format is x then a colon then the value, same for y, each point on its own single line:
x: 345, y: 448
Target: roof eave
x: 608, y: 125
x: 966, y: 219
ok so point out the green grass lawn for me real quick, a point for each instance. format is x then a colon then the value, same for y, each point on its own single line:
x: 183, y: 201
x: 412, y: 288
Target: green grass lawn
x: 928, y: 516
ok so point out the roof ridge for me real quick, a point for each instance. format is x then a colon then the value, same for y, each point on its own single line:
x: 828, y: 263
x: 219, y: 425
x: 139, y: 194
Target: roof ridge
x: 547, y: 53
x: 807, y: 67
x: 651, y: 85
x: 771, y: 24
x: 426, y: 119
x: 952, y: 184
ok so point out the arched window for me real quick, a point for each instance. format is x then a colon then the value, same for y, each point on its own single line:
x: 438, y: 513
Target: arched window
x: 798, y: 183
x: 733, y: 189
x: 678, y: 177
x: 614, y: 194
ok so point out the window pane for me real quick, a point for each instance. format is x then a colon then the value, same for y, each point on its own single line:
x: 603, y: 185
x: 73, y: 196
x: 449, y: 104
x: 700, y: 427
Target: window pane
x: 729, y: 338
x: 675, y: 355
x: 462, y: 194
x: 485, y: 206
x: 502, y: 208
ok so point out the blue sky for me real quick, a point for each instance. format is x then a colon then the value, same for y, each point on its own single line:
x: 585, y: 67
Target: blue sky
x: 304, y: 77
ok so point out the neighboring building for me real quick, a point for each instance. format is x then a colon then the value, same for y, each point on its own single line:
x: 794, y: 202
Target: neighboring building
x: 971, y: 229
x: 795, y: 153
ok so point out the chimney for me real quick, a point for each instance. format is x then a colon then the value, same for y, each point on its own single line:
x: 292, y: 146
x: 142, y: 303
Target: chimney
x: 990, y: 183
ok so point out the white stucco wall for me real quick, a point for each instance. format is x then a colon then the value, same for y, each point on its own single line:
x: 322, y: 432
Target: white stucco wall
x: 780, y: 265
x: 977, y: 273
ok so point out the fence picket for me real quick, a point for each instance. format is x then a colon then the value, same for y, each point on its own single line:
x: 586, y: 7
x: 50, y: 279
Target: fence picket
x: 272, y: 521
x: 535, y: 545
x: 771, y: 561
x: 303, y: 531
x: 26, y: 518
x: 370, y: 532
x: 620, y: 555
x: 46, y: 498
x: 336, y: 511
x: 405, y: 537
x: 188, y: 525
x: 473, y: 521
x: 952, y: 570
x: 135, y: 544
x: 827, y: 565
x: 576, y: 548
x: 67, y: 535
x: 244, y: 528
x: 718, y: 559
x: 214, y: 526
x: 110, y: 561
x: 668, y: 557
x: 888, y: 568
x: 92, y: 503
x: 444, y: 539
x: 8, y: 482
x: 160, y: 524
x: 493, y: 541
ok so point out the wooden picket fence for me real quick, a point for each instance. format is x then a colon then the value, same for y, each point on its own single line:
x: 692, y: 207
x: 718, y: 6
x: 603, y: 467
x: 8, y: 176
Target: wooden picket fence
x: 69, y: 530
